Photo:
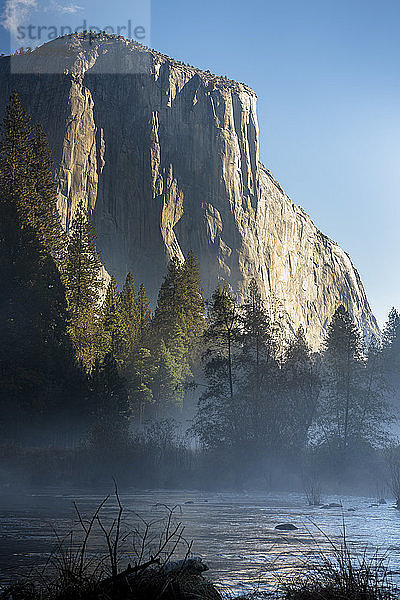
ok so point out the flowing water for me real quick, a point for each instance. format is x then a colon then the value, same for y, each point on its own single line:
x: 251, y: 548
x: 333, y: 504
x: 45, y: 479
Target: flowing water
x: 233, y: 532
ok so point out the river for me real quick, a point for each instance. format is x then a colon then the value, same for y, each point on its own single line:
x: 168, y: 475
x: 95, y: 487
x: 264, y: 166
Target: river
x: 233, y: 532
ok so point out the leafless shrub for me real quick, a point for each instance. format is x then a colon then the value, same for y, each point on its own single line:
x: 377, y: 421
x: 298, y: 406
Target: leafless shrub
x: 74, y: 572
x: 312, y: 490
x: 394, y: 474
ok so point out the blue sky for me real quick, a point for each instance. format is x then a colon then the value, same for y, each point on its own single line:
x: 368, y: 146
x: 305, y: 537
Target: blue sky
x: 327, y: 78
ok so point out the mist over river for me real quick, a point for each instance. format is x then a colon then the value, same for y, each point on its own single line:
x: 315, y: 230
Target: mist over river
x: 233, y: 532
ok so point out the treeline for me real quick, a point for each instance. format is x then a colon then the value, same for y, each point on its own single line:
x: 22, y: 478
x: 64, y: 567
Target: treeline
x: 79, y: 354
x: 268, y: 403
x: 67, y: 352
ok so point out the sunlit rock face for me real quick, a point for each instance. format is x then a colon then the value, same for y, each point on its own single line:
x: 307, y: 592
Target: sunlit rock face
x: 166, y: 158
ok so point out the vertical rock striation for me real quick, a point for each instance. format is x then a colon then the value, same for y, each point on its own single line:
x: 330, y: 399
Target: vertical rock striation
x: 165, y: 157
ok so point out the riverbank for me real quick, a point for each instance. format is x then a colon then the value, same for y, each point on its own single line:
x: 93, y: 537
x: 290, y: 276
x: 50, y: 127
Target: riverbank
x: 340, y: 576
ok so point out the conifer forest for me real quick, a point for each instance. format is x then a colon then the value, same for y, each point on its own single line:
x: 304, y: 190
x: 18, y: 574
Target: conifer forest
x: 194, y: 391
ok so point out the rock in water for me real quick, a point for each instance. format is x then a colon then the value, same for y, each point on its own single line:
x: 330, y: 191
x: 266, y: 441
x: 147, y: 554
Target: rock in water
x: 287, y: 527
x: 167, y: 158
x: 193, y: 565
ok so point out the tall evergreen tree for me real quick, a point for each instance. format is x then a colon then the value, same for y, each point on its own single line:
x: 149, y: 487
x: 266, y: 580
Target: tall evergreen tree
x: 130, y: 313
x: 168, y: 309
x: 391, y: 331
x: 349, y: 415
x: 390, y: 356
x: 300, y: 390
x: 180, y: 302
x: 258, y: 344
x: 34, y: 353
x: 45, y: 214
x: 259, y: 384
x: 221, y: 335
x: 139, y: 367
x: 82, y: 278
x: 214, y: 422
x: 192, y: 302
x: 172, y: 370
x: 342, y: 362
x: 112, y: 410
x: 26, y: 176
x: 178, y: 324
x: 112, y: 323
x: 144, y: 313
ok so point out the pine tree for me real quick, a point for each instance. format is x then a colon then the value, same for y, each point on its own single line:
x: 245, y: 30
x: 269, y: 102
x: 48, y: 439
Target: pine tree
x: 26, y: 176
x: 172, y: 370
x: 179, y: 322
x: 130, y: 313
x: 45, y: 215
x: 300, y: 390
x: 180, y: 302
x: 256, y: 361
x: 390, y: 355
x: 192, y: 304
x: 349, y: 415
x: 16, y: 154
x: 144, y: 313
x: 82, y: 278
x: 215, y: 422
x: 258, y: 344
x: 34, y: 355
x: 168, y: 307
x: 391, y: 331
x: 221, y: 335
x: 112, y: 410
x: 112, y: 323
x: 374, y: 402
x: 139, y: 367
x: 342, y: 361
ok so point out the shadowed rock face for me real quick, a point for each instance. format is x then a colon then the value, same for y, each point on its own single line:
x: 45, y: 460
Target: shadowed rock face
x: 166, y: 158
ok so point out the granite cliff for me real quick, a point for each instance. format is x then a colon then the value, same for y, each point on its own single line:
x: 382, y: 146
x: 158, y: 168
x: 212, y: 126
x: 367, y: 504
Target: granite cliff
x: 166, y: 158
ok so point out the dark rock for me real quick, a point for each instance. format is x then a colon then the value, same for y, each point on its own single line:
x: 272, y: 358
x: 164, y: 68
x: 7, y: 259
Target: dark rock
x: 189, y: 502
x: 176, y: 580
x: 193, y: 565
x: 286, y: 527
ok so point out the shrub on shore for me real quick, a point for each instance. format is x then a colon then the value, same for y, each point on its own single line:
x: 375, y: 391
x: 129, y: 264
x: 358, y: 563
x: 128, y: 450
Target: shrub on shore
x: 342, y: 574
x: 75, y: 573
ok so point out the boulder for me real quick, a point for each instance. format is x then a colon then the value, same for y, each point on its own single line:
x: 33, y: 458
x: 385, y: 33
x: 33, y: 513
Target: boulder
x: 286, y: 527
